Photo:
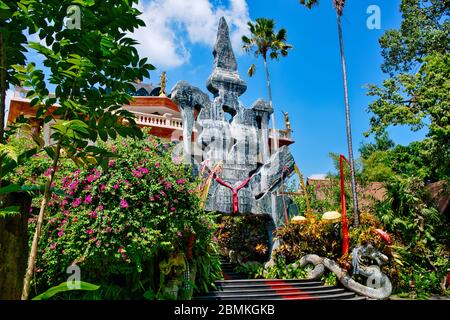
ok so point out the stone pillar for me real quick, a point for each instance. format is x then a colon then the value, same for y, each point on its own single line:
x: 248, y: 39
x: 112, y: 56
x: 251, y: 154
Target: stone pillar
x: 265, y: 138
x: 13, y: 245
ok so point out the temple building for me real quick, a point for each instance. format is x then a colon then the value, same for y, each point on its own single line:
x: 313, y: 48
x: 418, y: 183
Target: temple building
x: 150, y: 105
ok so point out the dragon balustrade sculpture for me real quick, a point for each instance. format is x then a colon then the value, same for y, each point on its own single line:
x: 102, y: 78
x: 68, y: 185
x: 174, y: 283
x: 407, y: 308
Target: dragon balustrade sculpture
x: 377, y: 284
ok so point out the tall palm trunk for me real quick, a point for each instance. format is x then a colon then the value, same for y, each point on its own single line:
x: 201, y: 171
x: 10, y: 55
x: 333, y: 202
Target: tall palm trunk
x: 274, y: 132
x: 349, y: 130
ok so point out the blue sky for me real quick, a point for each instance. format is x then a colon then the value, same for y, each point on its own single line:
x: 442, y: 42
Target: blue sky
x: 308, y: 83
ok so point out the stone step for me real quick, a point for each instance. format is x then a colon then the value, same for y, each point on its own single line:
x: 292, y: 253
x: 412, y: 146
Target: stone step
x: 266, y: 281
x: 276, y: 292
x: 277, y: 288
x: 288, y: 296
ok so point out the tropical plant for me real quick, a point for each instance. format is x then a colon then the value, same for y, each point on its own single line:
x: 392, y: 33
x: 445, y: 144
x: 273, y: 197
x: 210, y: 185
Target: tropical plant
x: 12, y: 48
x: 120, y: 222
x: 266, y: 42
x: 93, y: 69
x: 64, y: 287
x: 13, y: 22
x: 339, y: 7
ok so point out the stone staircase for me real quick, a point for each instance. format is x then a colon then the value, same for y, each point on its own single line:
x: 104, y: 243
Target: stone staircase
x: 237, y: 287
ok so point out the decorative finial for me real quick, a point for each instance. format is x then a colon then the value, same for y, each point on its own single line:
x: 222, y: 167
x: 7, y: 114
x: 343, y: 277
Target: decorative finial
x: 288, y: 123
x: 163, y: 84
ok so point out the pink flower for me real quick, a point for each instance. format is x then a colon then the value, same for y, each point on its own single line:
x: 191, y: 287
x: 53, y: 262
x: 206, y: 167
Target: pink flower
x: 93, y: 214
x: 111, y: 163
x: 123, y: 204
x: 191, y: 191
x: 157, y: 165
x: 53, y: 246
x: 116, y: 186
x: 102, y: 187
x: 48, y: 172
x: 61, y: 233
x: 137, y: 173
x: 163, y: 193
x: 175, y: 200
x: 108, y: 230
x: 172, y: 209
x: 76, y: 203
x: 180, y: 181
x: 180, y: 234
x: 152, y: 199
x: 143, y: 170
x: 73, y: 185
x: 98, y: 243
x: 88, y: 199
x: 89, y: 231
x: 100, y: 208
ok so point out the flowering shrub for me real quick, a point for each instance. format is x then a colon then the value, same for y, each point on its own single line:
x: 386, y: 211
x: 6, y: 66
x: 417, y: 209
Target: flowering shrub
x: 119, y: 221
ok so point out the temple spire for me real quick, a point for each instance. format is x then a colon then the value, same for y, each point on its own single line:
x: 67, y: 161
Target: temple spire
x: 223, y: 51
x: 225, y: 79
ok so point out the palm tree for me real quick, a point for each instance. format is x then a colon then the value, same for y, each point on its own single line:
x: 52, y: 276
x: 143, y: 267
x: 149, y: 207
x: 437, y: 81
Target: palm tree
x: 339, y: 7
x: 266, y: 43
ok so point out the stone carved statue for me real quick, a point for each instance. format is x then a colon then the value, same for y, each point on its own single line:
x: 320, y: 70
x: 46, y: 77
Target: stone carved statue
x: 377, y: 285
x: 236, y: 137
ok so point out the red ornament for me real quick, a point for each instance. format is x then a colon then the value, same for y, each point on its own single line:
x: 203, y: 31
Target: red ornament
x: 384, y: 235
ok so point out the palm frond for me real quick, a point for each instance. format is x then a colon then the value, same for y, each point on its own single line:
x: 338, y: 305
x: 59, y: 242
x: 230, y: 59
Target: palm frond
x: 252, y: 70
x: 339, y: 6
x: 274, y: 55
x: 9, y: 152
x: 309, y: 3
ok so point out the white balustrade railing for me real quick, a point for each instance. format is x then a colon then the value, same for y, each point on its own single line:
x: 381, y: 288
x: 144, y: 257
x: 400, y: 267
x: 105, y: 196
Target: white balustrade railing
x: 153, y: 120
x: 168, y: 121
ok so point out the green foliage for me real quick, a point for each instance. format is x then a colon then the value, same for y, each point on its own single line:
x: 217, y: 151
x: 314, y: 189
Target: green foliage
x: 265, y: 41
x: 251, y: 269
x: 423, y: 234
x: 281, y: 270
x: 314, y: 237
x: 245, y: 235
x: 63, y: 287
x: 118, y: 223
x: 329, y: 279
x: 417, y: 93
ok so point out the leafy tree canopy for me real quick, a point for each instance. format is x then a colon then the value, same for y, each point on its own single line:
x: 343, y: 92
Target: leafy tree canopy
x: 417, y: 92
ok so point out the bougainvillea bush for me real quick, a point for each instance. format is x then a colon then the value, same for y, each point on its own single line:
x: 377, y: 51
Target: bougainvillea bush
x: 120, y: 221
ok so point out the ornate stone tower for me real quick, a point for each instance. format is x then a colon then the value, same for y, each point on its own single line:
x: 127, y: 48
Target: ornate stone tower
x: 236, y: 138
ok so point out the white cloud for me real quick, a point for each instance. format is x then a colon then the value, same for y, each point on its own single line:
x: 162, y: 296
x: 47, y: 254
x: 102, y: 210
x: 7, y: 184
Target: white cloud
x: 173, y: 25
